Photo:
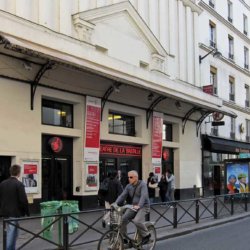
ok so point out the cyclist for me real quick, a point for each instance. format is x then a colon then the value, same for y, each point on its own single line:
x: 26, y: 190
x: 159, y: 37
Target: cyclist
x: 136, y: 194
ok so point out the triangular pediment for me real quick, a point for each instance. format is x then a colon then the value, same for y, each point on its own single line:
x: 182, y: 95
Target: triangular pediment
x: 120, y: 30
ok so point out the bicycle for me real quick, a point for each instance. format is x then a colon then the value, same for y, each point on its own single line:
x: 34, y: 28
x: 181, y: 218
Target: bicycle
x: 114, y: 240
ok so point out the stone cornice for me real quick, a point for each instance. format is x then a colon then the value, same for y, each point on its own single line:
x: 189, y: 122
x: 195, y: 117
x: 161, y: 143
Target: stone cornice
x: 236, y: 107
x: 245, y: 4
x: 224, y: 21
x: 227, y: 61
x: 194, y: 7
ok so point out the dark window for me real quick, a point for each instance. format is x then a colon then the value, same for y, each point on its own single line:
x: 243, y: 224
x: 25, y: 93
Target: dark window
x: 167, y: 132
x: 121, y: 124
x: 57, y: 113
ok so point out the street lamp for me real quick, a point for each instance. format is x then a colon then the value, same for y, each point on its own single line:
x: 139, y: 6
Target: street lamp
x: 215, y: 52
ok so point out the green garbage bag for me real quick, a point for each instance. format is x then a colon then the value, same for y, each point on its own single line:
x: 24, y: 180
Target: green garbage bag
x: 71, y: 206
x: 49, y: 208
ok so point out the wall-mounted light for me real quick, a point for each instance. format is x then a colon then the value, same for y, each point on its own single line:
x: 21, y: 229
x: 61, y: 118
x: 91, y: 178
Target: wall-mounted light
x: 178, y: 105
x: 150, y: 96
x: 27, y: 65
x: 215, y: 52
x: 116, y: 87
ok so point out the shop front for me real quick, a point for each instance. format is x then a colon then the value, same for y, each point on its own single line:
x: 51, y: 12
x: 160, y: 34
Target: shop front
x: 123, y: 157
x: 215, y: 153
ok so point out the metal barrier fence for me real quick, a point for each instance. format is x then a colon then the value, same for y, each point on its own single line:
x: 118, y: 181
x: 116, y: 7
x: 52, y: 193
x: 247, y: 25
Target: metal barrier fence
x: 58, y: 233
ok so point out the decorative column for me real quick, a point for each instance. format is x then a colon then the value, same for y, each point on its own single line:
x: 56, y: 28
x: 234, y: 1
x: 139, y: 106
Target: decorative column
x: 164, y: 24
x: 182, y: 42
x: 196, y: 51
x: 190, y: 45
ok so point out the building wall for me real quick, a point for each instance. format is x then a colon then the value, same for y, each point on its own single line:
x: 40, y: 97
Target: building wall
x: 226, y: 67
x: 176, y: 32
x: 174, y: 23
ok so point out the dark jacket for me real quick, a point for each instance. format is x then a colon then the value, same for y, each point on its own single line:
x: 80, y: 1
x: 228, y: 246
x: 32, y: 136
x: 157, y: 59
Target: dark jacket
x: 13, y: 199
x: 151, y: 191
x: 163, y: 185
x: 114, y: 190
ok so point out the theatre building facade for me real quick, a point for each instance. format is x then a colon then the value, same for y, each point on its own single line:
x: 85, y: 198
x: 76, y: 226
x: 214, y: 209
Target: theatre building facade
x: 91, y: 87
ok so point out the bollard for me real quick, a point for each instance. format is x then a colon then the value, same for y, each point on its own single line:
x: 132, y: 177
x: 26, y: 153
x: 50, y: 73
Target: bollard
x: 65, y: 232
x: 232, y: 204
x: 175, y: 216
x: 194, y: 190
x: 197, y: 208
x: 246, y: 197
x: 215, y: 208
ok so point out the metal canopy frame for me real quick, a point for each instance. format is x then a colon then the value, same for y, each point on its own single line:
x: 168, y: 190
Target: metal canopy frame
x: 204, y: 115
x: 109, y: 91
x: 152, y: 106
x: 34, y: 84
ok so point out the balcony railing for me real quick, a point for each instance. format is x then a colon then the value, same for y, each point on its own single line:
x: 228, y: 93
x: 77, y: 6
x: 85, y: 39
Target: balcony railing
x: 247, y: 103
x: 211, y: 4
x: 212, y: 44
x: 248, y: 138
x: 232, y: 135
x: 246, y: 66
x: 231, y: 97
x: 245, y: 32
x: 230, y: 19
x: 231, y: 56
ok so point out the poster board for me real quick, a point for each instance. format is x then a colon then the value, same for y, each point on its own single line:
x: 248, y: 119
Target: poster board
x: 237, y: 176
x: 30, y: 175
x: 91, y: 176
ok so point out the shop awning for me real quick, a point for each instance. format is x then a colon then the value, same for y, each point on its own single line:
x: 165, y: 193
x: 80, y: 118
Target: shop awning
x: 220, y: 145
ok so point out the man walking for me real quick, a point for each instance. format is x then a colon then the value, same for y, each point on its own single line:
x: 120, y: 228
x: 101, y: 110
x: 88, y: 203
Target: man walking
x: 13, y: 203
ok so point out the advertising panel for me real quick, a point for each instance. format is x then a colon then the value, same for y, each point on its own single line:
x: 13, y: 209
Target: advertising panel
x: 157, y: 123
x: 30, y: 176
x: 237, y: 177
x: 92, y: 129
x: 92, y: 176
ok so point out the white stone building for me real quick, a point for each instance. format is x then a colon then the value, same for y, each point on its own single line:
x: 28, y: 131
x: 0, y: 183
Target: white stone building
x: 224, y: 25
x: 133, y: 58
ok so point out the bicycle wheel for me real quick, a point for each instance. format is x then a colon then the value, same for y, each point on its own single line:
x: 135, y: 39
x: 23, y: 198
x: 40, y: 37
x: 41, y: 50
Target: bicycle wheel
x: 152, y: 241
x: 111, y: 240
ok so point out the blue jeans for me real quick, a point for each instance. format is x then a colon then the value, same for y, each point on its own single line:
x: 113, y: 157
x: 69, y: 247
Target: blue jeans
x: 12, y: 233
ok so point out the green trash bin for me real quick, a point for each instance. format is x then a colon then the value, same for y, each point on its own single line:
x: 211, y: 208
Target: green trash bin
x: 49, y: 208
x: 71, y: 206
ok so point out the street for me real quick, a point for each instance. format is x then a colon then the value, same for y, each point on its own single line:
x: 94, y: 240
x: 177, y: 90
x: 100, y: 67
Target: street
x: 229, y: 236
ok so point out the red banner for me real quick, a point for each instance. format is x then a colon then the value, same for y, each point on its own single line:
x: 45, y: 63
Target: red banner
x: 208, y: 89
x: 157, y: 136
x: 93, y: 116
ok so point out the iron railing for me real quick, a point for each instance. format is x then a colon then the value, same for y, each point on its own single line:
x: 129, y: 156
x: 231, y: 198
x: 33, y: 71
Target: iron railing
x: 32, y: 230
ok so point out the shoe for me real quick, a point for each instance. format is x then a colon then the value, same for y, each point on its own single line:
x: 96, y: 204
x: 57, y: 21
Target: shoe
x: 125, y: 241
x: 145, y: 239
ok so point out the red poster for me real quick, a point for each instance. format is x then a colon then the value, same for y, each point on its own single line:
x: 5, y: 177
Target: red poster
x: 157, y: 136
x: 30, y: 169
x: 93, y: 120
x: 92, y: 169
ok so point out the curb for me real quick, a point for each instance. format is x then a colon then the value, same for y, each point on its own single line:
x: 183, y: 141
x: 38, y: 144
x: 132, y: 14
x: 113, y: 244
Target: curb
x: 196, y: 227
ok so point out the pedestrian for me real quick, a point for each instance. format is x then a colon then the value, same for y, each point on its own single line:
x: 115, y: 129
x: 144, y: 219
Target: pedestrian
x: 114, y: 190
x: 163, y: 185
x: 171, y: 185
x: 122, y: 177
x: 137, y: 193
x: 13, y: 204
x: 152, y: 185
